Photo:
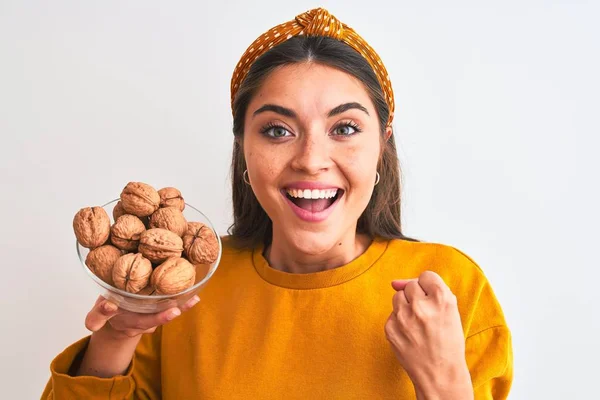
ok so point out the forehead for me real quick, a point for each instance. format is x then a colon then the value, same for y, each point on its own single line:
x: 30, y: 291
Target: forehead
x: 310, y: 87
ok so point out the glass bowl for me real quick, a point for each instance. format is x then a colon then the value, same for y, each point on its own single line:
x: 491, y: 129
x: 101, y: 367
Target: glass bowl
x: 153, y: 303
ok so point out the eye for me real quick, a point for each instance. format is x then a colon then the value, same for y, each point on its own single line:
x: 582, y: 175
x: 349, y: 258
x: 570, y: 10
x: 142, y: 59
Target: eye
x: 346, y: 129
x: 275, y: 131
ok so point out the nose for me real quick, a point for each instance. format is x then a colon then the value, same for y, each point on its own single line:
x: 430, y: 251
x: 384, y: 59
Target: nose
x: 312, y: 154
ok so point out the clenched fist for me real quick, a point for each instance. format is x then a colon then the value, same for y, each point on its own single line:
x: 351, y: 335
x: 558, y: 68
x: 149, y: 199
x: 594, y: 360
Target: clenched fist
x: 426, y: 335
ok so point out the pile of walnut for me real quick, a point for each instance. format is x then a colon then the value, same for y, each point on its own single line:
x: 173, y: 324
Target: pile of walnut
x: 151, y: 248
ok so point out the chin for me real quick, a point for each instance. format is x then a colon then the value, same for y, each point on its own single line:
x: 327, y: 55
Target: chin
x: 313, y: 242
x: 311, y: 226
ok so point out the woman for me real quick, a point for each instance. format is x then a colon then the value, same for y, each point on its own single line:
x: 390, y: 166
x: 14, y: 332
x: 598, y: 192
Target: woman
x: 301, y: 305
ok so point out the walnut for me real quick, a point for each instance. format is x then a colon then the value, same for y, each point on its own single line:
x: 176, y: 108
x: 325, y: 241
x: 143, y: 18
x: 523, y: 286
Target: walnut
x: 91, y: 226
x: 139, y: 199
x: 169, y: 218
x: 200, y: 244
x: 131, y: 272
x: 101, y: 261
x: 125, y: 233
x: 158, y: 244
x: 147, y: 291
x: 118, y: 210
x: 171, y: 197
x: 173, y: 276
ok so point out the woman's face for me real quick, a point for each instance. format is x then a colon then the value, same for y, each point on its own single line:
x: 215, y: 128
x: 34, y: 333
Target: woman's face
x: 312, y: 143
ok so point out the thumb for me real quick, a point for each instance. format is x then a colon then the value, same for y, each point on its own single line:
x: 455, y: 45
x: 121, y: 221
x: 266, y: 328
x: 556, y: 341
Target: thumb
x: 100, y: 314
x: 400, y: 284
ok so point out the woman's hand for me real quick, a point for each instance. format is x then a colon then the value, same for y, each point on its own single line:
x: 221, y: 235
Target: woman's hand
x: 116, y: 334
x: 426, y: 335
x: 122, y: 324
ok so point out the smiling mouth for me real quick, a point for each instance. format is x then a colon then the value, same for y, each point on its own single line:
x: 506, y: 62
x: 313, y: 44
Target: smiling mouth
x: 314, y: 201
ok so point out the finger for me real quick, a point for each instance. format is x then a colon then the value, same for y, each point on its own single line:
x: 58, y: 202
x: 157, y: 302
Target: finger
x: 398, y: 301
x: 128, y: 321
x: 390, y: 326
x: 107, y: 305
x: 413, y: 291
x: 102, y: 311
x: 400, y: 284
x: 99, y: 300
x: 432, y: 283
x: 190, y: 303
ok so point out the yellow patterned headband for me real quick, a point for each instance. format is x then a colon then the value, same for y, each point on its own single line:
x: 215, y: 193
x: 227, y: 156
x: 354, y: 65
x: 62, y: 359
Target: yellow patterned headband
x: 316, y: 22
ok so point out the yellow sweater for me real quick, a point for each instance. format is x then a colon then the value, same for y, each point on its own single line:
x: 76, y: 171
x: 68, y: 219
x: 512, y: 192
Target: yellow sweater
x: 259, y: 333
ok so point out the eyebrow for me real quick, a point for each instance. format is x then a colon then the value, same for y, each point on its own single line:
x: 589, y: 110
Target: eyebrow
x: 345, y: 107
x: 286, y: 112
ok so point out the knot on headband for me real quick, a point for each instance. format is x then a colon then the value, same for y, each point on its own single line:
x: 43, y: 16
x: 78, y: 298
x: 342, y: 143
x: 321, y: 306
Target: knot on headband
x: 319, y: 22
x: 316, y: 22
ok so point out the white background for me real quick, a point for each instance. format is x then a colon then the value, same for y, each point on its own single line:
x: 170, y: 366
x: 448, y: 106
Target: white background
x: 497, y: 127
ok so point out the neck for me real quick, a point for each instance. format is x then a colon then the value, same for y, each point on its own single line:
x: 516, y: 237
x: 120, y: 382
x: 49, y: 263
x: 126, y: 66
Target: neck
x: 285, y: 256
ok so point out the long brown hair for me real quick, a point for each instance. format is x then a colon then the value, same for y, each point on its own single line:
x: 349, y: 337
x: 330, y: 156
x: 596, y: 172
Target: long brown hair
x: 251, y: 224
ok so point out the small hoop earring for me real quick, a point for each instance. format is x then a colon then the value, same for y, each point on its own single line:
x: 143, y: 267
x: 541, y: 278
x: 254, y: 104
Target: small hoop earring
x: 377, y: 178
x: 245, y: 177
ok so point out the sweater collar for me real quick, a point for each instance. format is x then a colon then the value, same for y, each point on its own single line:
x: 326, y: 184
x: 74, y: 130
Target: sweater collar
x: 322, y: 279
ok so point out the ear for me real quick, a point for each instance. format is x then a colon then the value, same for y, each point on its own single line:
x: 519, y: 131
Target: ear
x: 386, y: 136
x: 388, y: 133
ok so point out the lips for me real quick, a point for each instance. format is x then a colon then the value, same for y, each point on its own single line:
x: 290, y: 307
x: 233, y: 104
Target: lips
x: 310, y: 203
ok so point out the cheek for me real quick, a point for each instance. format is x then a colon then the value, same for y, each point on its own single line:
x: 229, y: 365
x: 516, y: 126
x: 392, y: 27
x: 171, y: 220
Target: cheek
x: 263, y: 165
x: 260, y: 166
x: 359, y: 164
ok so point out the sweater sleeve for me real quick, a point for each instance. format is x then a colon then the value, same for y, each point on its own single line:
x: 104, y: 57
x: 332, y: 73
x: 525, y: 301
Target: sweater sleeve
x: 140, y: 381
x: 488, y: 342
x: 489, y: 357
x: 488, y: 347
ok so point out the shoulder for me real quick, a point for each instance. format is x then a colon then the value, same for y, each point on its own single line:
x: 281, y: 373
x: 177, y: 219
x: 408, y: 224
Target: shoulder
x: 446, y: 260
x: 230, y: 249
x: 234, y: 265
x: 232, y: 255
x: 477, y: 301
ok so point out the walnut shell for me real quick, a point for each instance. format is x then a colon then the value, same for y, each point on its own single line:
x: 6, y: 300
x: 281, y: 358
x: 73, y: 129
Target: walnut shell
x: 118, y: 210
x: 147, y: 291
x: 139, y: 199
x: 91, y: 226
x: 170, y: 218
x: 131, y: 272
x: 200, y: 244
x: 126, y: 232
x: 171, y: 197
x: 158, y: 244
x: 101, y: 262
x: 173, y: 276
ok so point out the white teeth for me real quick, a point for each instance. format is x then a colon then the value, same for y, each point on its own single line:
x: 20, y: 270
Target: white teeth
x: 312, y: 194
